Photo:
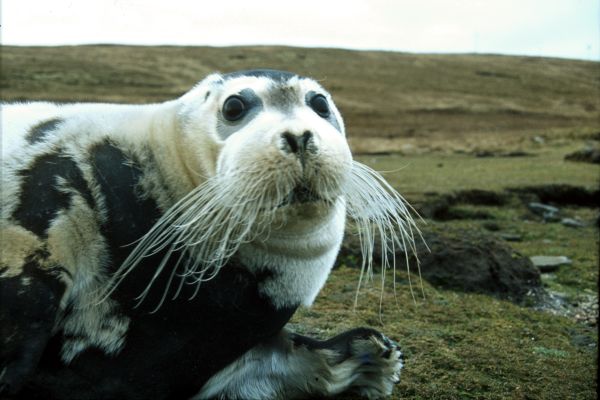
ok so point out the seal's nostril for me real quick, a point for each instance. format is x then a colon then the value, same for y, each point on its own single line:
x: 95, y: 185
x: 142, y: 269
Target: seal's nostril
x: 297, y: 144
x: 291, y: 141
x: 306, y: 139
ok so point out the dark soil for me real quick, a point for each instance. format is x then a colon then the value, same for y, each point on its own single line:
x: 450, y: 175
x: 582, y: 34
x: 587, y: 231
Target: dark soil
x: 560, y: 195
x: 463, y: 261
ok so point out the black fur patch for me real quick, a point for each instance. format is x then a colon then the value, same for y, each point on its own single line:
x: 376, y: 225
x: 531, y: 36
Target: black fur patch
x: 39, y: 132
x: 29, y: 305
x: 40, y: 199
x: 130, y: 213
x: 169, y: 354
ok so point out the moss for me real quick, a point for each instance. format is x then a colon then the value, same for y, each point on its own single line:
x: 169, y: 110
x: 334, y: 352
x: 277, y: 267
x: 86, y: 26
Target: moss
x: 463, y: 345
x: 469, y: 346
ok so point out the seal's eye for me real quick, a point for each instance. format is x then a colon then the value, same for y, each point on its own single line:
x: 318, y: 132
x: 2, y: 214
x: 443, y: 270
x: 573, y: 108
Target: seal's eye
x: 320, y: 105
x: 234, y: 108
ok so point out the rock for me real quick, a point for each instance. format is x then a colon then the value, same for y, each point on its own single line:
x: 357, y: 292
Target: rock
x: 549, y: 263
x: 571, y: 222
x: 549, y: 213
x: 538, y: 140
x: 588, y: 154
x: 587, y: 311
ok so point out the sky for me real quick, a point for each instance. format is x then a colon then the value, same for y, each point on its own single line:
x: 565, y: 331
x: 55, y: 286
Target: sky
x: 553, y: 28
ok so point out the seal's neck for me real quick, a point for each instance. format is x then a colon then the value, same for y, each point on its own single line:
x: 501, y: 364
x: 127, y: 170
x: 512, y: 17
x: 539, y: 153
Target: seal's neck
x: 299, y: 257
x: 171, y: 153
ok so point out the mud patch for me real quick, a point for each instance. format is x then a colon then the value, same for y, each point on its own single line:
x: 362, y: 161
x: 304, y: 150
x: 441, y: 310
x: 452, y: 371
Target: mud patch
x: 463, y: 261
x: 559, y: 194
x: 443, y: 207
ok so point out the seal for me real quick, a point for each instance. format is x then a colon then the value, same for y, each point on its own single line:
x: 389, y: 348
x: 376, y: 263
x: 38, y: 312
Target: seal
x: 158, y: 250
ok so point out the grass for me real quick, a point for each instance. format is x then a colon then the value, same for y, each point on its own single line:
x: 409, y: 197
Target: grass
x: 463, y: 345
x: 415, y: 175
x: 432, y: 113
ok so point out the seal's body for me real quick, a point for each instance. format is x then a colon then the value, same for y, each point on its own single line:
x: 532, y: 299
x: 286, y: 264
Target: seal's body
x: 157, y: 251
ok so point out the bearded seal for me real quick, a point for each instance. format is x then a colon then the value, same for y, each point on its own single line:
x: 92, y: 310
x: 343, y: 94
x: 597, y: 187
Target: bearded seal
x: 158, y: 251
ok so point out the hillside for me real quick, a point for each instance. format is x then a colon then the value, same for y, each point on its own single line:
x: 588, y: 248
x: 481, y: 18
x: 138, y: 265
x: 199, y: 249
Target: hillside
x: 424, y: 99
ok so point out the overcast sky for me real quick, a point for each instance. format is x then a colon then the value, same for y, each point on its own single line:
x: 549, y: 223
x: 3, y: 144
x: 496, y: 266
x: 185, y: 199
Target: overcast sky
x: 556, y: 28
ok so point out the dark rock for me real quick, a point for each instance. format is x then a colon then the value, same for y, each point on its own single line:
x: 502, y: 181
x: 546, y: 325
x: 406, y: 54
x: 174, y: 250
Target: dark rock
x: 587, y: 154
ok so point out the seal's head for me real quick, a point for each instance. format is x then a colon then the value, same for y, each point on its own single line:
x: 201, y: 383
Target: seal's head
x: 274, y: 132
x: 267, y: 153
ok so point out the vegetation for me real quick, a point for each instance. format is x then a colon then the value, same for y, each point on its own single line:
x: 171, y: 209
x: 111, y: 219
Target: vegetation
x: 423, y: 119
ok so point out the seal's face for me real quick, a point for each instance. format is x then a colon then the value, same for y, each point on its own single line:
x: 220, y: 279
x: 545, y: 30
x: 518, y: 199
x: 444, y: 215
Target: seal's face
x: 266, y: 180
x: 280, y: 137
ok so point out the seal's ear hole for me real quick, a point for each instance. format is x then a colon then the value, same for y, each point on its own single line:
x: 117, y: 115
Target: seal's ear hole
x: 234, y: 108
x: 320, y: 105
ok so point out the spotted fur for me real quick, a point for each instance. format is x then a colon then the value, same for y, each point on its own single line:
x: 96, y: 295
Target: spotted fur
x: 157, y: 251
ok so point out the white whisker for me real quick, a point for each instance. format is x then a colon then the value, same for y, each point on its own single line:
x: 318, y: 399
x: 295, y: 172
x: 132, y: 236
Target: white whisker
x: 379, y: 212
x: 208, y: 225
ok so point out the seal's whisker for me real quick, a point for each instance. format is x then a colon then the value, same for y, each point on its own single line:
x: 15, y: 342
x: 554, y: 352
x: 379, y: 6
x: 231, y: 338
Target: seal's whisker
x: 206, y: 226
x: 379, y: 212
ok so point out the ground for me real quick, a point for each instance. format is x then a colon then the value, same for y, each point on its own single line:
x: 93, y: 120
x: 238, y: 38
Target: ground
x: 461, y: 345
x: 437, y: 124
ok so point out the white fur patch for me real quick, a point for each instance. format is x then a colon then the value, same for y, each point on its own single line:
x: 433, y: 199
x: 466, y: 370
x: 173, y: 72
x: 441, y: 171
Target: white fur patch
x: 300, y: 256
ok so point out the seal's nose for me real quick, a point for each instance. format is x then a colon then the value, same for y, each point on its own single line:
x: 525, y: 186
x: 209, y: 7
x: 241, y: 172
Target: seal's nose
x: 297, y: 144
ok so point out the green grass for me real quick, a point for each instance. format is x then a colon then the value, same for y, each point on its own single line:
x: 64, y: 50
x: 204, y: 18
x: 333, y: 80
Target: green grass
x: 463, y: 345
x: 415, y: 175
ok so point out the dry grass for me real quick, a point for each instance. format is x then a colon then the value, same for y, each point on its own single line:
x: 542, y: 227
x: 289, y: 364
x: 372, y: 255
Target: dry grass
x: 424, y: 100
